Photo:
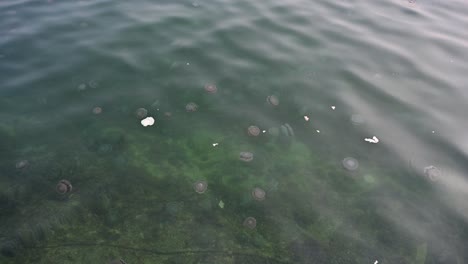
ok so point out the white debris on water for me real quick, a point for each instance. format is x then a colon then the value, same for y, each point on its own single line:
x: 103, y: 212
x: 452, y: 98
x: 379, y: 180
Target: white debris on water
x: 333, y: 107
x: 306, y: 118
x: 215, y: 144
x: 149, y: 121
x: 374, y: 140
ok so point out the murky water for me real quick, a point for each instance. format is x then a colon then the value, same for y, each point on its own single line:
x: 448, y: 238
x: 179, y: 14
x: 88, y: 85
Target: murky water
x: 233, y: 131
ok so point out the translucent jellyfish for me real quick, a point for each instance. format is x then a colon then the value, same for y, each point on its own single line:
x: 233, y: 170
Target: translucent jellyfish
x: 81, y: 87
x: 21, y: 164
x: 357, y: 119
x: 200, y: 186
x: 211, y: 88
x: 141, y: 113
x: 253, y: 131
x: 97, y: 110
x: 93, y: 84
x: 289, y: 129
x: 63, y: 187
x: 432, y: 173
x: 246, y: 156
x: 350, y: 164
x: 273, y: 100
x: 258, y: 194
x: 191, y: 107
x: 250, y: 222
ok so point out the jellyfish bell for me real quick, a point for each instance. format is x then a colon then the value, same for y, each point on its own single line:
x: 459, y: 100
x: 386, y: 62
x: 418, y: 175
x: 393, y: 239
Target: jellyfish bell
x: 200, y: 186
x: 93, y: 84
x: 211, y: 88
x: 258, y: 194
x: 97, y: 110
x: 246, y: 156
x: 250, y: 222
x: 21, y: 164
x: 273, y: 100
x: 191, y: 107
x: 350, y: 164
x: 432, y: 173
x: 81, y: 87
x: 63, y: 187
x: 253, y: 131
x: 141, y: 113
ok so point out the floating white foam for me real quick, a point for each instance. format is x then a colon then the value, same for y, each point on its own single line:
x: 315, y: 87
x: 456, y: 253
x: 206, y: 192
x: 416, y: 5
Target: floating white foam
x: 149, y: 121
x: 372, y: 140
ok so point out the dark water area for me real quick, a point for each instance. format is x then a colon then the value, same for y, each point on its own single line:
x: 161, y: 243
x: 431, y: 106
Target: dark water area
x: 284, y: 131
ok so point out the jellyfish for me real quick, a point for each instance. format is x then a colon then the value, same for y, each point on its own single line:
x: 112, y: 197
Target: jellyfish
x: 211, y: 88
x: 22, y: 164
x: 253, y: 131
x: 350, y: 164
x: 289, y: 129
x: 81, y: 87
x: 141, y: 113
x: 63, y: 187
x: 97, y: 110
x: 191, y: 107
x: 432, y: 172
x: 200, y: 186
x: 273, y: 100
x: 93, y: 84
x: 250, y: 222
x: 246, y: 156
x: 258, y: 194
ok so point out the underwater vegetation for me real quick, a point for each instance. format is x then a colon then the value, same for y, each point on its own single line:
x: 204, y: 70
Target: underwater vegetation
x: 185, y: 191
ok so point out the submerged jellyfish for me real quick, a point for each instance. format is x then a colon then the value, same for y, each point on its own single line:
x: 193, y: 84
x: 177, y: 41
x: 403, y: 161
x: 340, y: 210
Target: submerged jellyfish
x: 350, y: 164
x: 63, y: 187
x: 97, y: 110
x: 432, y: 172
x: 287, y: 130
x: 273, y: 100
x: 200, y: 186
x: 191, y: 107
x: 253, y: 131
x: 141, y: 113
x: 357, y: 119
x: 258, y: 194
x: 246, y: 156
x: 250, y: 222
x: 81, y: 87
x: 93, y: 84
x: 211, y: 88
x: 21, y: 164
